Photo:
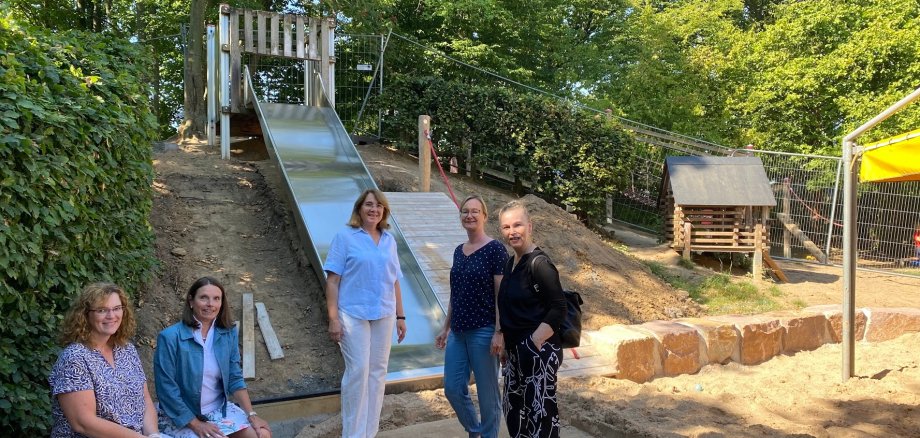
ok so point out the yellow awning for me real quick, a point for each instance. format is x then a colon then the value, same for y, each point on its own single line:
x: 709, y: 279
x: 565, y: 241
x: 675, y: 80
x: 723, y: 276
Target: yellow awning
x: 893, y: 159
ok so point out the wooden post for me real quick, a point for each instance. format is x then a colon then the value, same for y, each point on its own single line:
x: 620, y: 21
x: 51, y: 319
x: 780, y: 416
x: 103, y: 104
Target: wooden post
x: 424, y: 154
x: 757, y: 269
x: 468, y: 146
x: 787, y: 236
x: 687, y: 239
x: 249, y: 338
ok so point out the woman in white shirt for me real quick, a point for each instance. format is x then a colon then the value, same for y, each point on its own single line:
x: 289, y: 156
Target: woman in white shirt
x: 363, y: 302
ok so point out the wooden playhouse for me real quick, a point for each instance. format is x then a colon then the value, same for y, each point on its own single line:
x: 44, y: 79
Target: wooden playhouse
x: 718, y: 204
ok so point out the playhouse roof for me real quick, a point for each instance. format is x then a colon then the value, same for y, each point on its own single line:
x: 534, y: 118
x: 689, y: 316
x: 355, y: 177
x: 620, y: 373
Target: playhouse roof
x: 719, y: 181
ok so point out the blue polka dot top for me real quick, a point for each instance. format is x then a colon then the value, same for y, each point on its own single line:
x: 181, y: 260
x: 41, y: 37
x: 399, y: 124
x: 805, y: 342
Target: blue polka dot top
x: 472, y: 288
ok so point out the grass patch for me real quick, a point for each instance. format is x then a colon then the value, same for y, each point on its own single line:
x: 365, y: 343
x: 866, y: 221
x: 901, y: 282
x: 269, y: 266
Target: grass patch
x: 914, y: 272
x: 720, y: 295
x: 676, y: 281
x: 685, y: 263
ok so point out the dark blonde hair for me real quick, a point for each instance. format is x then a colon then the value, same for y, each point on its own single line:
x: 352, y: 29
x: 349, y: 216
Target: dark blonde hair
x: 355, y: 220
x: 485, y: 208
x: 223, y: 315
x: 76, y: 326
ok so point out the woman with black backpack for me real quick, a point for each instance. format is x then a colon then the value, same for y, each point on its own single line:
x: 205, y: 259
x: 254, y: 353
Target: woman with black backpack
x: 531, y: 308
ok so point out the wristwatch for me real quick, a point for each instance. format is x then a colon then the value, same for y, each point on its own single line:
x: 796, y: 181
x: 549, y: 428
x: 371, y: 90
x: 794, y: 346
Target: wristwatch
x: 251, y: 414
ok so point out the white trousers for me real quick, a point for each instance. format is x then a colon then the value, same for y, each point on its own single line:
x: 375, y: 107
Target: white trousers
x: 366, y: 348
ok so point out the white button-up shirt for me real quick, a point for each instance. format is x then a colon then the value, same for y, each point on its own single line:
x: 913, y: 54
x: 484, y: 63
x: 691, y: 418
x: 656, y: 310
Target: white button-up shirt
x: 369, y: 272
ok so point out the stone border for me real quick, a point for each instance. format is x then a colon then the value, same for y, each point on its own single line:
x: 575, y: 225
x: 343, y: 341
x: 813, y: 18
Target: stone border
x: 683, y: 346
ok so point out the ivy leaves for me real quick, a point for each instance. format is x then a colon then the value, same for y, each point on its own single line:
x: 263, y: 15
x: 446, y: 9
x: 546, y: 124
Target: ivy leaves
x: 75, y: 132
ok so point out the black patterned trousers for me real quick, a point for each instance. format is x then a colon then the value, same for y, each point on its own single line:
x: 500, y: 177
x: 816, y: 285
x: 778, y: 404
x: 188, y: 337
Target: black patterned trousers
x: 529, y: 400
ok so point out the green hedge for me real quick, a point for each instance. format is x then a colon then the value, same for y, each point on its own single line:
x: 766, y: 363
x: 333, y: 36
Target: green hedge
x: 75, y: 195
x: 567, y: 155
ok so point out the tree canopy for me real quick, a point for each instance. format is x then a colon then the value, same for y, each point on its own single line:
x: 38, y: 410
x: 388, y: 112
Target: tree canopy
x: 783, y: 75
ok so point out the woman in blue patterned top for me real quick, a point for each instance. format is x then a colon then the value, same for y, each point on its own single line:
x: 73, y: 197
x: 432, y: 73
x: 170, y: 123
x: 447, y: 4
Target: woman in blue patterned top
x: 471, y: 332
x: 98, y: 386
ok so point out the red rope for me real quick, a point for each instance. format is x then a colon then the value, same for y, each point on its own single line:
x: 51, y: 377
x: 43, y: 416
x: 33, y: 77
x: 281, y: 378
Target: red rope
x: 441, y: 169
x: 815, y: 214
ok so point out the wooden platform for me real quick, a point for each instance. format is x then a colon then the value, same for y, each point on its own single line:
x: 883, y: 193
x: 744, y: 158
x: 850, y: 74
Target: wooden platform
x: 430, y: 222
x: 586, y: 360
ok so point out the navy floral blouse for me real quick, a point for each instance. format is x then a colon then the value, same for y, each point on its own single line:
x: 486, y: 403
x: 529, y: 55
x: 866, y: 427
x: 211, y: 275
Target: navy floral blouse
x: 119, y: 390
x: 472, y: 288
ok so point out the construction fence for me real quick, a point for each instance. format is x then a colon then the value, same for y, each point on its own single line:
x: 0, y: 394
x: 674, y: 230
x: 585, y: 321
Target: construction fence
x: 805, y: 225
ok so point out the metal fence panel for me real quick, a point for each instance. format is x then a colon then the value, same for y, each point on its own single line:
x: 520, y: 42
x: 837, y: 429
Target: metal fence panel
x: 357, y: 57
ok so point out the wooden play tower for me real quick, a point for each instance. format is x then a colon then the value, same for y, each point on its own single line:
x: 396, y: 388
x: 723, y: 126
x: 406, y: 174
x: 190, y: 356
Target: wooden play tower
x: 263, y: 34
x: 718, y: 204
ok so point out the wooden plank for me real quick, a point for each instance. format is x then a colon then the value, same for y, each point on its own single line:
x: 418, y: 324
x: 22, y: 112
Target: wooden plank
x: 262, y: 30
x: 777, y: 271
x: 590, y: 366
x: 248, y: 43
x: 274, y: 35
x: 235, y: 67
x: 299, y: 32
x: 312, y: 28
x: 268, y: 333
x: 287, y: 36
x: 249, y: 339
x: 810, y: 246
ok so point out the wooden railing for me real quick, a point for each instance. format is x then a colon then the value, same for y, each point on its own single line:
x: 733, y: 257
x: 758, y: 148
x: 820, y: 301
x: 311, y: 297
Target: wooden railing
x: 274, y: 34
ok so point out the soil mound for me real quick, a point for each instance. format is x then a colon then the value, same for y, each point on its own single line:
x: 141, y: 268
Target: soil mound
x: 616, y: 288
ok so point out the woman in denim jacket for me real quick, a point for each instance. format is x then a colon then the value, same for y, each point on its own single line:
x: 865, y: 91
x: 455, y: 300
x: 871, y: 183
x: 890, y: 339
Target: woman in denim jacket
x: 197, y: 369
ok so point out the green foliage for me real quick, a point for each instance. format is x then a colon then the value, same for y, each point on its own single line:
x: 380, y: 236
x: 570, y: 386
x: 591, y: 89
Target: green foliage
x: 561, y: 152
x: 721, y: 295
x: 685, y: 263
x: 75, y: 132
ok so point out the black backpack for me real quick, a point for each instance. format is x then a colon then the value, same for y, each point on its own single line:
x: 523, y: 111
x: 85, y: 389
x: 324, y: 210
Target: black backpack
x: 570, y: 332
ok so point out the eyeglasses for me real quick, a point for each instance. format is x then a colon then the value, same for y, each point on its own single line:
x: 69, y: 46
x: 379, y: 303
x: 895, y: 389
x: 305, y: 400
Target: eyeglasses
x: 466, y: 212
x: 105, y: 311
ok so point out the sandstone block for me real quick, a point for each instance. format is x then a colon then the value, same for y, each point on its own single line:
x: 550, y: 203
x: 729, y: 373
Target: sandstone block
x: 803, y: 331
x: 889, y: 323
x: 834, y: 315
x: 678, y: 347
x: 761, y: 337
x: 633, y: 352
x: 719, y: 341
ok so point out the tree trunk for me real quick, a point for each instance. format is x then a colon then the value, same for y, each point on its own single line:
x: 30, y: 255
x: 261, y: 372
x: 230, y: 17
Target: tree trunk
x: 196, y: 81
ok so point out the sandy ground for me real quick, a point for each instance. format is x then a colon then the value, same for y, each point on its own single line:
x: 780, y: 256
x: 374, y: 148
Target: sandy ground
x: 225, y: 218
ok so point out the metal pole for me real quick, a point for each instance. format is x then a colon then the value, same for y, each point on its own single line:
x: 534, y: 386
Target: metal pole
x: 849, y: 260
x: 383, y: 50
x: 224, y: 81
x: 306, y: 82
x: 830, y: 225
x: 849, y: 231
x: 212, y: 87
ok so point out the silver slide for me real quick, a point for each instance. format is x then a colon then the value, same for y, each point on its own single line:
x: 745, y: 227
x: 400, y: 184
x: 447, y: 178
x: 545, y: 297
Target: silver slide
x: 324, y: 175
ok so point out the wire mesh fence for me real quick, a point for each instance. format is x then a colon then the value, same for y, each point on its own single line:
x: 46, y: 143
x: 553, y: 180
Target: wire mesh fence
x: 358, y: 79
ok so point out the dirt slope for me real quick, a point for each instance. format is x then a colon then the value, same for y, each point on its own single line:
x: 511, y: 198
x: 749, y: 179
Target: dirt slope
x: 616, y: 287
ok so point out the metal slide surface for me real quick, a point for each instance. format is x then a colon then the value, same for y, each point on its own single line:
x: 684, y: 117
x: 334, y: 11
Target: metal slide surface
x: 324, y: 175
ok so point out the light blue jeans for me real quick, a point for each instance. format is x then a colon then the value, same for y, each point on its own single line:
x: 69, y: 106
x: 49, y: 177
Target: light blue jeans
x: 465, y: 352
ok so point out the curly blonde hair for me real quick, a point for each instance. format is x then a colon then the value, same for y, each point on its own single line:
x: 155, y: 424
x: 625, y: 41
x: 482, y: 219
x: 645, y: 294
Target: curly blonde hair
x: 76, y: 326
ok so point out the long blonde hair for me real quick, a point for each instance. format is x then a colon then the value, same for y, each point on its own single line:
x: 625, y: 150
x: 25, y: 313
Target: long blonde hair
x: 76, y: 326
